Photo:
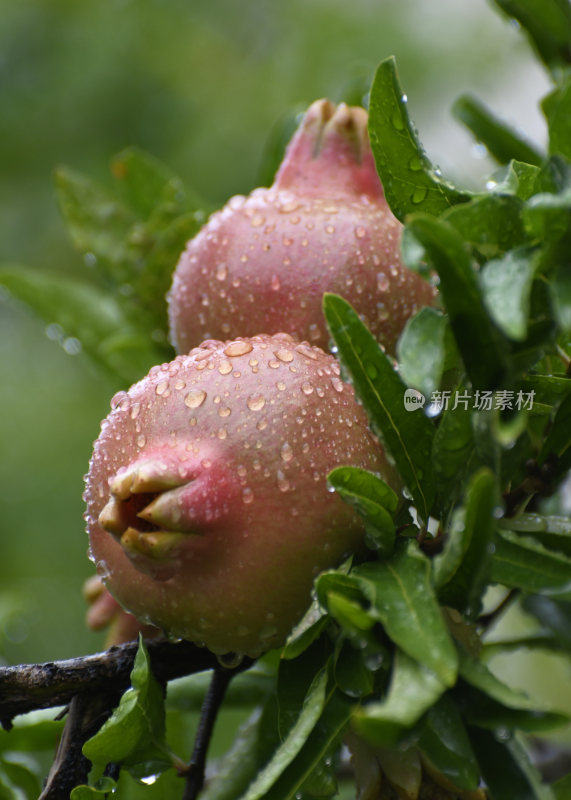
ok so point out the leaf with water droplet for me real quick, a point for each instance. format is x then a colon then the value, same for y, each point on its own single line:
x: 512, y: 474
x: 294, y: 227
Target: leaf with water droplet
x: 425, y: 350
x: 409, y: 179
x: 373, y: 499
x: 522, y: 563
x: 407, y: 435
x: 134, y: 736
x: 462, y: 571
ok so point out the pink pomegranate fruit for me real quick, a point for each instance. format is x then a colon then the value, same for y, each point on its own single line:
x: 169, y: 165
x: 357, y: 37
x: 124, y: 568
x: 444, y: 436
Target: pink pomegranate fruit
x: 208, y: 509
x: 263, y: 262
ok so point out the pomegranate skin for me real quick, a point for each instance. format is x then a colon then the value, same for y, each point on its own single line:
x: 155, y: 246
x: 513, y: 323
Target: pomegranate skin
x: 208, y: 510
x: 263, y: 262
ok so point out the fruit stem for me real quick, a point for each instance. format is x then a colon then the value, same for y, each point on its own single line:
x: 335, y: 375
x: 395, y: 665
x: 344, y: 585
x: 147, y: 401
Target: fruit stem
x: 194, y: 773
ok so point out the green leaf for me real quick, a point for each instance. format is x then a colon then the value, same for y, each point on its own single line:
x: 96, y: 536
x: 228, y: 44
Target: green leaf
x: 507, y: 773
x: 352, y: 674
x: 524, y: 564
x: 142, y: 179
x: 98, y: 224
x: 310, y: 628
x: 491, y: 223
x: 410, y: 181
x: 557, y: 109
x: 412, y: 691
x: 506, y: 286
x: 554, y: 616
x: 402, y: 598
x: 560, y: 291
x: 559, y: 437
x: 562, y: 788
x: 134, y: 736
x: 310, y: 712
x: 19, y: 777
x: 452, y: 451
x: 104, y: 786
x: 548, y: 24
x: 408, y: 436
x: 425, y: 350
x: 478, y: 342
x: 552, y: 531
x: 502, y: 142
x: 547, y: 217
x: 517, y: 178
x: 444, y: 742
x: 373, y: 499
x: 461, y: 571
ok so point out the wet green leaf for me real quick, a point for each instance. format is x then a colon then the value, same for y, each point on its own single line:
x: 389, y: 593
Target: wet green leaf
x: 555, y: 616
x: 410, y: 181
x: 548, y: 24
x: 412, y: 691
x: 104, y: 786
x: 507, y: 774
x: 557, y: 108
x: 444, y: 741
x: 407, y: 435
x: 524, y: 564
x: 373, y: 499
x: 500, y: 139
x: 142, y: 179
x: 552, y: 531
x: 425, y: 350
x: 506, y: 286
x: 401, y: 595
x: 560, y: 289
x: 478, y: 342
x: 134, y: 736
x: 491, y: 223
x: 461, y: 571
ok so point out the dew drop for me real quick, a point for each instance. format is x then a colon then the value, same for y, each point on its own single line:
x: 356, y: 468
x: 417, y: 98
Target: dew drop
x: 224, y: 411
x: 225, y: 367
x: 330, y: 229
x: 221, y: 272
x: 195, y: 398
x: 414, y: 164
x: 135, y: 410
x: 360, y: 232
x: 307, y: 388
x: 222, y: 433
x: 397, y: 120
x: 247, y: 496
x: 283, y: 483
x: 284, y: 354
x: 286, y: 452
x: 314, y: 332
x: 419, y: 195
x: 161, y: 388
x: 382, y: 282
x: 337, y: 384
x: 141, y: 441
x: 238, y: 348
x: 257, y: 221
x: 256, y: 402
x: 275, y: 284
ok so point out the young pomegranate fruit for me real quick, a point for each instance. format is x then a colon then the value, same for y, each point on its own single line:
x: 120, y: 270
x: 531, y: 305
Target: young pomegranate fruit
x: 207, y: 503
x: 263, y: 262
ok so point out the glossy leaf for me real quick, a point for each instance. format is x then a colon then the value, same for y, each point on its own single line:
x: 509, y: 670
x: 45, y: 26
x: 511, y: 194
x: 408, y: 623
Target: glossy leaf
x: 506, y: 287
x: 400, y: 592
x: 407, y: 435
x: 491, y: 223
x: 554, y: 616
x: 444, y: 741
x: 103, y: 788
x: 557, y: 108
x: 373, y: 499
x: 410, y: 181
x: 142, y: 179
x: 501, y: 141
x: 548, y: 23
x: 552, y: 531
x: 559, y: 437
x: 134, y: 736
x: 524, y: 564
x: 452, y: 452
x: 458, y: 285
x: 425, y: 350
x: 560, y: 289
x: 412, y: 691
x: 462, y: 571
x: 505, y: 774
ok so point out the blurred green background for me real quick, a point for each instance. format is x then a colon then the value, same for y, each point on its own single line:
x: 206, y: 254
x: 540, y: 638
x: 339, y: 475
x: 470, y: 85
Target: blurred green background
x: 199, y: 84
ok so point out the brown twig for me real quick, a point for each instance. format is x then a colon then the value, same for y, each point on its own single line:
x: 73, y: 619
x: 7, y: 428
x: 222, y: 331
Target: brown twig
x: 33, y: 686
x: 194, y: 773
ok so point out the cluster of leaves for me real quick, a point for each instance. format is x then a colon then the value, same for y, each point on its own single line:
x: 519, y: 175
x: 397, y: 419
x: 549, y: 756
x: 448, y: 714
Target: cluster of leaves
x: 393, y: 646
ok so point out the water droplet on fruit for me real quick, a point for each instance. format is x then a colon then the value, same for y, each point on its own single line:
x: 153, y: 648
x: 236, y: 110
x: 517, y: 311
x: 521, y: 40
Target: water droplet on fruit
x: 275, y: 284
x: 257, y: 221
x: 284, y: 354
x: 161, y: 388
x: 286, y: 452
x: 283, y: 483
x: 307, y: 388
x: 195, y: 398
x: 247, y: 495
x: 221, y: 272
x: 360, y: 232
x: 238, y: 349
x: 314, y: 332
x: 382, y: 282
x: 224, y: 411
x: 330, y: 229
x: 256, y: 402
x: 225, y: 367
